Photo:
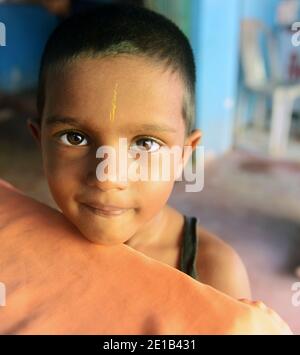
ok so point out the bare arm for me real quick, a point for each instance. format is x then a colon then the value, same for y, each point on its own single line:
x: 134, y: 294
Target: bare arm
x: 219, y: 266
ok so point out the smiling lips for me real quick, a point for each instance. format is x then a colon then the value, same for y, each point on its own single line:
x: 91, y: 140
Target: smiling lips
x: 107, y: 210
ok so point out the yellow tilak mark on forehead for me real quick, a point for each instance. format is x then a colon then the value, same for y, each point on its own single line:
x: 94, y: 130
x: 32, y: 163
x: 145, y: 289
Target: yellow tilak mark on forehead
x: 114, y: 104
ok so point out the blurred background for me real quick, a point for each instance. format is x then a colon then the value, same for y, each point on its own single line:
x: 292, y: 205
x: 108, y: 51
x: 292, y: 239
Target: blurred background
x: 248, y: 106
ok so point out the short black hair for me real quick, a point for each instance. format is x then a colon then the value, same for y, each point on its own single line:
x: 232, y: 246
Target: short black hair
x: 113, y: 29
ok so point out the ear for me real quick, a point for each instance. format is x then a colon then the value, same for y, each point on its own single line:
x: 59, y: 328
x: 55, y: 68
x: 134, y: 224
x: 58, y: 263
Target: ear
x: 192, y: 140
x: 35, y: 130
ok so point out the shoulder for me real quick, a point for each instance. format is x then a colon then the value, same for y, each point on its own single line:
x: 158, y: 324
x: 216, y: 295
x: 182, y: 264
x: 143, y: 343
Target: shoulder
x: 219, y: 265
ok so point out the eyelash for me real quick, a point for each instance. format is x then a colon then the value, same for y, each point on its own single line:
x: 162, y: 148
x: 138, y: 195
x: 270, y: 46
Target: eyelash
x: 61, y: 134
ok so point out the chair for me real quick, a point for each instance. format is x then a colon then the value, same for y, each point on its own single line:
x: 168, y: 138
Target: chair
x: 262, y: 78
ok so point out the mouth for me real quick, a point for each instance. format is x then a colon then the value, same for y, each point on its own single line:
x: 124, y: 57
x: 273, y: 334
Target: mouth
x: 106, y: 211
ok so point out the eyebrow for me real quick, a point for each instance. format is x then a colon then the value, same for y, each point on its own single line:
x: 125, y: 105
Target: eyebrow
x: 53, y: 120
x: 153, y: 127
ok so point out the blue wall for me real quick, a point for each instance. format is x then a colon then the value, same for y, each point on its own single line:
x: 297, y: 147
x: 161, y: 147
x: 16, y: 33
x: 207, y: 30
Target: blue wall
x: 215, y: 39
x: 27, y: 29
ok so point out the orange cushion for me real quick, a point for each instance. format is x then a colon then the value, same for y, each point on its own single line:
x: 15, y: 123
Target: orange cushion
x: 57, y: 282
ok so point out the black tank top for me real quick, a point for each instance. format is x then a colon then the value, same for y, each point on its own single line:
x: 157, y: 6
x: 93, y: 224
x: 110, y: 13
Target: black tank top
x: 189, y: 247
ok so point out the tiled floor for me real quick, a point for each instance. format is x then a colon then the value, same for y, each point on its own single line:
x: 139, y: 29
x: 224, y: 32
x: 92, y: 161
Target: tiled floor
x: 251, y: 203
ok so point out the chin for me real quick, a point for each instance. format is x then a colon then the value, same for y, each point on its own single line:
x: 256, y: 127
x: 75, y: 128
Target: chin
x: 102, y: 238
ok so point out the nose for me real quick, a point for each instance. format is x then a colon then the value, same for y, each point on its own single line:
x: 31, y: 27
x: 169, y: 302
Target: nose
x: 107, y: 174
x: 105, y: 185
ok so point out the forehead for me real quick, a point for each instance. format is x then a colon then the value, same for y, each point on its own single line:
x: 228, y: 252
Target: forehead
x: 141, y: 90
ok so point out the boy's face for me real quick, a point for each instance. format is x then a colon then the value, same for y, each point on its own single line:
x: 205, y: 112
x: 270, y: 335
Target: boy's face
x: 94, y: 102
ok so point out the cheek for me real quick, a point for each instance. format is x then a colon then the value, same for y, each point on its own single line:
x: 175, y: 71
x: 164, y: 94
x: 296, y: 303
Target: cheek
x: 63, y: 175
x: 155, y: 192
x: 154, y: 195
x: 163, y: 166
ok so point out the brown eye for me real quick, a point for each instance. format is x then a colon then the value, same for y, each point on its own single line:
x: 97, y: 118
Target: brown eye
x: 73, y: 138
x: 147, y: 144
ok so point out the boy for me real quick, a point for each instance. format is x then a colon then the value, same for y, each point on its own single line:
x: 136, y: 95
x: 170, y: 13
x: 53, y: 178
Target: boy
x: 125, y: 72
